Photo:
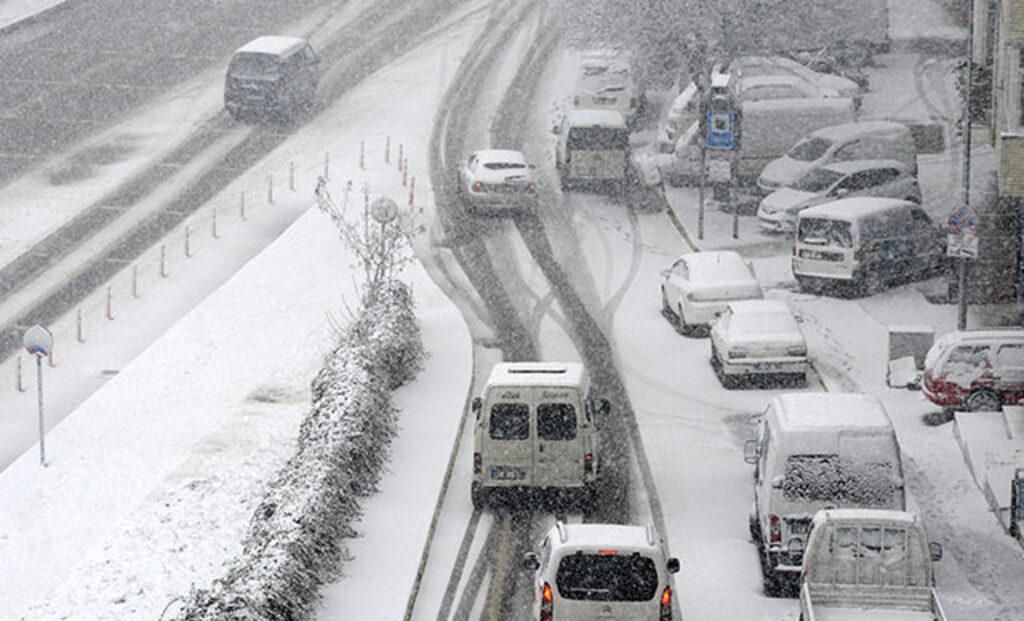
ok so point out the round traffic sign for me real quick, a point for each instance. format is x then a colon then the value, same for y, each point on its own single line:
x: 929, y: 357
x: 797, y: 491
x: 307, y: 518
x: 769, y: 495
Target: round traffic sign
x: 37, y: 341
x: 384, y: 210
x: 963, y: 220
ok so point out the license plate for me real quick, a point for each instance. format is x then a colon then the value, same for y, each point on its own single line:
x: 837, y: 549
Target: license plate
x: 604, y: 101
x: 819, y: 255
x: 799, y: 527
x: 507, y: 473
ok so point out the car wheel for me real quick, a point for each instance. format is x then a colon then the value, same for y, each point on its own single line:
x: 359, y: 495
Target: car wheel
x: 755, y: 529
x: 681, y: 325
x: 769, y: 578
x: 729, y: 382
x: 869, y: 284
x: 984, y: 401
x: 665, y: 308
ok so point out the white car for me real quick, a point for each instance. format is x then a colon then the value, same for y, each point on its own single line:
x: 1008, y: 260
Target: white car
x: 602, y: 571
x: 700, y: 285
x: 750, y: 66
x: 882, y: 178
x: 766, y: 87
x: 497, y: 181
x: 758, y: 338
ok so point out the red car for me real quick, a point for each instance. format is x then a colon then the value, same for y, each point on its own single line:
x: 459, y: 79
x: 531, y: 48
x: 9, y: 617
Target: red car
x: 980, y: 370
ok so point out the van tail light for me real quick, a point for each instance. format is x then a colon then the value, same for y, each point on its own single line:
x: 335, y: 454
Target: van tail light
x: 531, y: 188
x: 477, y: 463
x: 632, y: 103
x: 478, y: 187
x: 665, y: 611
x: 692, y: 296
x: 774, y: 529
x: 547, y: 603
x: 857, y: 255
x: 794, y: 245
x: 588, y: 463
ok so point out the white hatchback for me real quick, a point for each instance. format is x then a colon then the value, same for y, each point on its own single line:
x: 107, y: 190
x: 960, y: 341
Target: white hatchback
x: 699, y: 285
x: 758, y: 338
x: 602, y: 571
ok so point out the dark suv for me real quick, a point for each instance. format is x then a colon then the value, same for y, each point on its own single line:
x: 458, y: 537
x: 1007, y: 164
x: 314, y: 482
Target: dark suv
x: 271, y: 76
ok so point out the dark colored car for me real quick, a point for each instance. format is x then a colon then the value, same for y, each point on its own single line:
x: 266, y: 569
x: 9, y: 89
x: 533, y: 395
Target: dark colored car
x: 271, y: 77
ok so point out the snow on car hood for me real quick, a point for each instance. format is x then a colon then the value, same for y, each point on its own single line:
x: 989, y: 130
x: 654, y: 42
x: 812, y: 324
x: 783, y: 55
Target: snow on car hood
x: 787, y: 198
x: 783, y: 171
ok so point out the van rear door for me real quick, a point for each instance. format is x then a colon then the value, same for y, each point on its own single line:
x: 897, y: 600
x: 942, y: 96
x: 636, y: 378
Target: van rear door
x: 559, y: 441
x: 506, y: 455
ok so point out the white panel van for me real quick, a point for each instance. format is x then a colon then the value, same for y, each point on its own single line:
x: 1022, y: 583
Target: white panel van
x: 593, y: 147
x: 817, y: 451
x: 536, y: 431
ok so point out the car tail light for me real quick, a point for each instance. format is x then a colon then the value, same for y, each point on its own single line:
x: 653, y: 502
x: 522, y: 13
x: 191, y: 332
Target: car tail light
x: 737, y: 353
x: 478, y: 187
x: 774, y: 529
x: 531, y: 188
x: 665, y: 612
x: 857, y: 255
x: 796, y: 351
x: 588, y: 463
x: 547, y: 603
x: 794, y: 245
x: 477, y: 463
x: 692, y: 296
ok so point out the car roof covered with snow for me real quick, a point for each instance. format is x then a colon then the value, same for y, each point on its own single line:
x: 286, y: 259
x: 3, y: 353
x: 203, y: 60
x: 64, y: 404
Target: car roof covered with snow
x: 831, y: 411
x: 848, y: 167
x: 853, y: 209
x: 875, y: 516
x: 273, y: 45
x: 586, y: 117
x: 717, y: 266
x: 846, y: 131
x: 569, y: 374
x: 500, y: 155
x: 761, y: 318
x: 605, y: 536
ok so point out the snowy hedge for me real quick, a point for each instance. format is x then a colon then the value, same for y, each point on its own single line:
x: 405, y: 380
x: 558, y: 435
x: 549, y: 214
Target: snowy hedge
x: 295, y: 538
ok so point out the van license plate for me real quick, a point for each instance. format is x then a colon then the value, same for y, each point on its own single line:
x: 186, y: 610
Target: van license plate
x: 507, y: 473
x: 799, y: 527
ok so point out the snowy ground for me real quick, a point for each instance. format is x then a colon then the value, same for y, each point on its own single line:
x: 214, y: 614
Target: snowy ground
x: 151, y: 479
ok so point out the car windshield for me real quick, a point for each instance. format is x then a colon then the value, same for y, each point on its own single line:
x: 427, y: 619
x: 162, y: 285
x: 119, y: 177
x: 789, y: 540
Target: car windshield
x: 847, y: 482
x: 598, y: 139
x: 809, y: 150
x: 510, y: 421
x: 607, y: 577
x: 825, y: 232
x: 255, y: 65
x: 817, y: 180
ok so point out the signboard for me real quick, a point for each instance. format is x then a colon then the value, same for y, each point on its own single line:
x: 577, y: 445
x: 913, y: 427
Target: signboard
x: 721, y: 129
x: 963, y: 221
x: 963, y: 246
x: 719, y: 170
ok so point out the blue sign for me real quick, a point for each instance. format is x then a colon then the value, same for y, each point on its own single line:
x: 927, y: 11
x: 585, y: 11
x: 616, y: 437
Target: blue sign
x: 721, y: 129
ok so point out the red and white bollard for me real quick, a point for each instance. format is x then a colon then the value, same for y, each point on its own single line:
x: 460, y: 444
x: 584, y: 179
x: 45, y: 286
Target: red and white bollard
x: 405, y: 172
x: 412, y: 190
x: 291, y: 176
x: 327, y: 164
x: 270, y: 189
x: 401, y: 157
x: 110, y: 303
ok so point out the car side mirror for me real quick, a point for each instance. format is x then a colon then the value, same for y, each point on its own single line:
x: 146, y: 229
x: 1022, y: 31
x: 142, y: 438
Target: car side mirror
x: 530, y: 561
x: 750, y: 451
x: 602, y: 410
x: 666, y: 273
x: 672, y: 565
x: 477, y: 405
x: 777, y: 481
x: 935, y: 550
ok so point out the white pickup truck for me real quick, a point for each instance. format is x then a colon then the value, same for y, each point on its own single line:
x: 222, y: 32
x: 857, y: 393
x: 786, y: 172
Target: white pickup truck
x: 864, y: 564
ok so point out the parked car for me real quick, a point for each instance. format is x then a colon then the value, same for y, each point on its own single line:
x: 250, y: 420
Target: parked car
x: 745, y: 67
x: 868, y: 140
x: 271, y: 76
x: 817, y: 451
x: 976, y: 370
x: 498, y: 181
x: 762, y: 87
x: 683, y: 112
x: 536, y: 433
x: 758, y: 338
x: 886, y: 178
x: 700, y: 285
x: 859, y: 245
x: 602, y: 571
x: 877, y: 564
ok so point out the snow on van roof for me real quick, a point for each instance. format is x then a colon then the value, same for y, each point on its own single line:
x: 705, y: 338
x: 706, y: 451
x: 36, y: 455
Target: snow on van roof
x: 852, y: 209
x: 274, y: 45
x: 842, y: 133
x: 605, y: 536
x: 868, y: 515
x: 759, y: 306
x: 596, y: 118
x: 536, y: 373
x: 819, y: 411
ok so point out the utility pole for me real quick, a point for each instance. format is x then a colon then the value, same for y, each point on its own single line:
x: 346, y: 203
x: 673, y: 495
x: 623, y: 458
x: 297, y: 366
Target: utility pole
x: 961, y: 315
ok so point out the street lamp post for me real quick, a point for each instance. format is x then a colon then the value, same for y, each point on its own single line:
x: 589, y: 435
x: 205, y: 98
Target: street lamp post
x: 39, y: 342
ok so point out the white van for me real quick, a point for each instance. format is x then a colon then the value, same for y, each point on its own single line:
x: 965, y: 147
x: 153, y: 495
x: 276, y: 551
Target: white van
x: 868, y: 140
x: 593, y: 146
x: 602, y: 571
x: 768, y: 129
x: 817, y: 451
x: 536, y: 429
x: 864, y: 243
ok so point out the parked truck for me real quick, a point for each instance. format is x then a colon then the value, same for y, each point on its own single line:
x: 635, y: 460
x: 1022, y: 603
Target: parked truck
x: 869, y: 564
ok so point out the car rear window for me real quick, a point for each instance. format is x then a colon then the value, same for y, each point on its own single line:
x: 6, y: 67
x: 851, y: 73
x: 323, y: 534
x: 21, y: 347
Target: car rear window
x: 817, y: 478
x: 825, y: 232
x: 556, y: 421
x: 607, y: 577
x: 502, y: 165
x: 255, y: 65
x: 809, y: 150
x: 510, y: 421
x: 598, y: 139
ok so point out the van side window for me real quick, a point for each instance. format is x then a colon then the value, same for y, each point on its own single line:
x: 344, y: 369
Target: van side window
x: 679, y: 269
x: 510, y: 421
x: 1010, y: 356
x: 556, y: 421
